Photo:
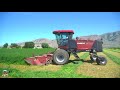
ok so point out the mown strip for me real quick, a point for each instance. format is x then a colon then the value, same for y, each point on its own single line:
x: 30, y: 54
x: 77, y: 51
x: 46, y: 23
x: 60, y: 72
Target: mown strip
x: 114, y: 50
x: 110, y: 70
x: 14, y: 73
x: 113, y: 53
x: 112, y: 57
x: 71, y: 67
x: 69, y: 70
x: 24, y: 68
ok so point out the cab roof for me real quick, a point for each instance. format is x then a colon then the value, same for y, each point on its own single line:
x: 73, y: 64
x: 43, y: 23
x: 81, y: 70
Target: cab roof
x: 63, y: 31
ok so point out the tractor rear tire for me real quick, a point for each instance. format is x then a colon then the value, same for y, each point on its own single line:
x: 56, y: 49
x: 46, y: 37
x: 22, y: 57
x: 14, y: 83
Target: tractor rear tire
x: 60, y: 57
x: 101, y: 61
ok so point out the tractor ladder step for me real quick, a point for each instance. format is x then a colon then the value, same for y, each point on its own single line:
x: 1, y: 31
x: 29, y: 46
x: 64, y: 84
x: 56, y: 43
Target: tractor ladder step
x: 75, y: 55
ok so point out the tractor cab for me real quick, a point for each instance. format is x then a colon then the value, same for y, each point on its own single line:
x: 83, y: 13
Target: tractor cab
x: 63, y: 36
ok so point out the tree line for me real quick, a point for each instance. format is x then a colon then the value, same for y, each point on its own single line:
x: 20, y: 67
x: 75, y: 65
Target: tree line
x: 27, y: 45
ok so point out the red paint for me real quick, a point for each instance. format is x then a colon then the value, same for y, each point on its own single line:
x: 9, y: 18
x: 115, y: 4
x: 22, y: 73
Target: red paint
x: 63, y: 31
x: 84, y: 44
x: 63, y: 47
x: 39, y: 60
x: 81, y: 45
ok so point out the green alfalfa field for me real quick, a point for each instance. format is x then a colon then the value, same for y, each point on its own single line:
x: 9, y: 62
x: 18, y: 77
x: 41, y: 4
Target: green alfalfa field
x: 13, y: 61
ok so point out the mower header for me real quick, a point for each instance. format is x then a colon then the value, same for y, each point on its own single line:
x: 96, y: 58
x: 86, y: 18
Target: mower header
x: 63, y: 31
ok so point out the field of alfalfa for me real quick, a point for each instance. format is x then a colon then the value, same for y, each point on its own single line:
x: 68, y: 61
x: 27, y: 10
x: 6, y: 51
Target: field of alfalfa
x: 13, y: 61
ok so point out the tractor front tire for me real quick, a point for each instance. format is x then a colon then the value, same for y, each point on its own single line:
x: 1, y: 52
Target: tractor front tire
x: 60, y: 57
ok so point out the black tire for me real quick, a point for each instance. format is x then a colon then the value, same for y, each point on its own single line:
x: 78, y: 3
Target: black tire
x: 69, y: 54
x: 101, y: 61
x: 93, y: 58
x: 60, y: 57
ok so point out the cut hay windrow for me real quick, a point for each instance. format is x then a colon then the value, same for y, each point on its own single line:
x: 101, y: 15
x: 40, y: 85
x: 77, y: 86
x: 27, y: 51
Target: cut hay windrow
x: 114, y: 50
x: 70, y: 69
x: 111, y: 70
x: 23, y: 68
x: 112, y: 53
x: 113, y: 57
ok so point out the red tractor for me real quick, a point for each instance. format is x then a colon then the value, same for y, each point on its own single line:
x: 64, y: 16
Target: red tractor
x: 67, y: 46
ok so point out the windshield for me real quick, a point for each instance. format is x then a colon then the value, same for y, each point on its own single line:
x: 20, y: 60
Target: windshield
x: 62, y: 39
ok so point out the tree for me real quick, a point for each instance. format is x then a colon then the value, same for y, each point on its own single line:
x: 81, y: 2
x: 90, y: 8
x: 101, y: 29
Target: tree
x: 14, y: 45
x: 45, y: 45
x: 5, y: 45
x: 29, y: 45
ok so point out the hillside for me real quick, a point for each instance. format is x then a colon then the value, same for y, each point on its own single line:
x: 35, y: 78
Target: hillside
x: 52, y: 43
x: 111, y: 39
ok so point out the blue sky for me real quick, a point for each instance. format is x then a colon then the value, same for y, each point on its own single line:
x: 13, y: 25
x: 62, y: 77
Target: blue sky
x: 25, y: 26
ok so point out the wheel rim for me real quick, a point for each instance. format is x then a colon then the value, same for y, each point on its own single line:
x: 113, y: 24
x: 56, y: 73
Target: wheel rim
x: 103, y: 62
x: 60, y: 58
x: 94, y: 58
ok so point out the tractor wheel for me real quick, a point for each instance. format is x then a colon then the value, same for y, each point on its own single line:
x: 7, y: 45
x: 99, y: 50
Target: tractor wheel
x: 60, y: 57
x: 101, y: 61
x: 93, y: 58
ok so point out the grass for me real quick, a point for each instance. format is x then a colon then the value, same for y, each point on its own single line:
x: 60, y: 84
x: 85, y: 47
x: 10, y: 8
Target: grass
x: 66, y: 71
x: 40, y: 74
x: 24, y: 68
x: 12, y: 73
x: 110, y: 70
x: 113, y: 53
x: 16, y: 56
x: 114, y: 50
x: 69, y: 70
x: 12, y: 60
x: 112, y: 57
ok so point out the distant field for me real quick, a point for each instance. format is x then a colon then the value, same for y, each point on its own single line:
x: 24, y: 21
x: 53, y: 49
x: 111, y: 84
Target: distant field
x: 12, y: 60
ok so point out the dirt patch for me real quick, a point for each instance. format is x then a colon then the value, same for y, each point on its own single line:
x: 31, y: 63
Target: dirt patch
x: 111, y: 70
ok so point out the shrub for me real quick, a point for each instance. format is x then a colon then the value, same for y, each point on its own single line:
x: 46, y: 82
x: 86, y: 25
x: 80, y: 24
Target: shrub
x: 5, y: 45
x: 13, y: 45
x: 45, y: 45
x: 29, y: 45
